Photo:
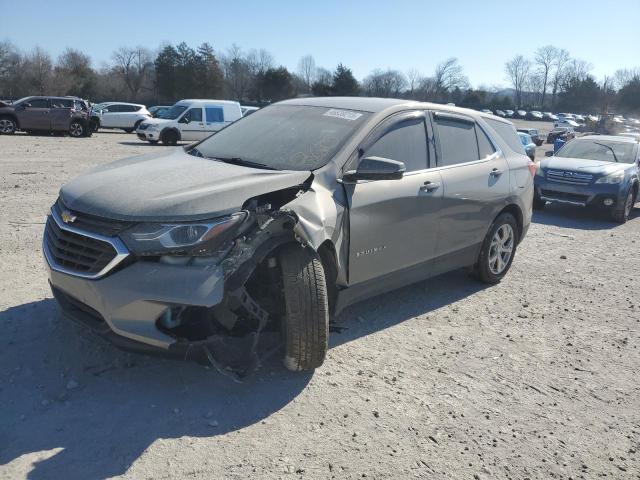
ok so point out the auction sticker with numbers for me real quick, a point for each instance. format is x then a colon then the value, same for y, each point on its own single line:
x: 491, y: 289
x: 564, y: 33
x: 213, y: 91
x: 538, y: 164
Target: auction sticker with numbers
x: 344, y: 114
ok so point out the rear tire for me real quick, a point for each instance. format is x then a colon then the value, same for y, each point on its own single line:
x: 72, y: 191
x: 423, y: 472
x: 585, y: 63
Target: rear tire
x: 305, y: 326
x: 169, y: 137
x: 128, y: 130
x: 622, y: 212
x: 153, y: 142
x: 498, y: 250
x: 8, y: 126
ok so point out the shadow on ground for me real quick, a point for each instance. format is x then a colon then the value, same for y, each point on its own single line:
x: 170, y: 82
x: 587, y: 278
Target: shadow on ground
x: 580, y: 218
x: 123, y: 402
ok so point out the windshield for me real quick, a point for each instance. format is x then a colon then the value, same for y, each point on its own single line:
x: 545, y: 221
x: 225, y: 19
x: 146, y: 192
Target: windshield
x: 603, y: 150
x: 172, y: 113
x: 525, y: 138
x: 285, y: 137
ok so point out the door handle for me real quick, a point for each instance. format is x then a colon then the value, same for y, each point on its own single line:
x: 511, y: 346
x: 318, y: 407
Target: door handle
x: 496, y: 172
x: 429, y: 186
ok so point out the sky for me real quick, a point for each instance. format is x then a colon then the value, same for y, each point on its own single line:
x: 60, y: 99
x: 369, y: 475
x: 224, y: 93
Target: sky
x: 363, y: 35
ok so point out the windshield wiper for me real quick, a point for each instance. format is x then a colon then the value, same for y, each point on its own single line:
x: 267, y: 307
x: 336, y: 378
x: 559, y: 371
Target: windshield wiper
x: 244, y: 163
x: 195, y: 152
x: 615, y: 157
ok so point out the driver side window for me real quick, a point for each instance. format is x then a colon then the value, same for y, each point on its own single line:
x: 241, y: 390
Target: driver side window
x: 406, y: 142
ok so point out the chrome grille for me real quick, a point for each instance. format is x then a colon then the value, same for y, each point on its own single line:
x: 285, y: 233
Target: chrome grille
x: 569, y: 177
x: 76, y: 252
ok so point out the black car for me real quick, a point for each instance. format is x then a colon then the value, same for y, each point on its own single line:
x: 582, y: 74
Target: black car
x: 535, y: 135
x: 564, y: 133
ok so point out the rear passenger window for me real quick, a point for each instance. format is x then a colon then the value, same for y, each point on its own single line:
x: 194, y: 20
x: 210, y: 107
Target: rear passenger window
x: 457, y: 140
x: 406, y: 143
x: 114, y: 108
x: 61, y: 103
x: 484, y: 144
x: 214, y: 114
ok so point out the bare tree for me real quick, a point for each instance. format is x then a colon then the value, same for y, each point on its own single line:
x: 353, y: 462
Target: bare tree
x: 449, y: 76
x: 545, y: 58
x: 307, y: 71
x: 560, y: 64
x: 388, y: 83
x: 11, y: 71
x: 237, y: 72
x: 259, y: 61
x: 518, y: 71
x: 37, y: 69
x: 413, y: 81
x: 623, y: 77
x: 133, y: 65
x: 578, y: 70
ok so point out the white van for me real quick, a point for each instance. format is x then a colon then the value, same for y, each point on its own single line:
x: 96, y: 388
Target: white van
x: 189, y: 120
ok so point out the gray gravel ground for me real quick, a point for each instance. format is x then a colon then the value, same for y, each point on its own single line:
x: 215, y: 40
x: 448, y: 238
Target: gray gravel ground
x: 533, y: 378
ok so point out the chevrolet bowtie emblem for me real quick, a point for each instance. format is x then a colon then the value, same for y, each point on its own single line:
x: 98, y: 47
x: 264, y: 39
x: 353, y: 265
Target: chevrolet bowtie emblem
x: 68, y: 217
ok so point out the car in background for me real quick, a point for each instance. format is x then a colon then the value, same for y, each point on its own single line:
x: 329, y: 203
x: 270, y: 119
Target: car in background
x: 486, y: 110
x: 282, y: 219
x: 247, y: 110
x: 46, y: 114
x: 535, y: 135
x: 157, y: 110
x: 564, y: 133
x: 189, y: 120
x: 500, y: 113
x: 549, y: 117
x: 529, y: 146
x: 509, y: 113
x: 579, y: 118
x: 120, y: 115
x: 566, y: 122
x: 535, y: 115
x: 520, y: 114
x: 595, y: 170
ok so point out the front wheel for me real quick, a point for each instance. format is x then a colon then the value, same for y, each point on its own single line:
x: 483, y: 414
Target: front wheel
x: 621, y: 213
x: 498, y: 250
x: 7, y: 126
x: 170, y: 137
x: 76, y: 129
x: 305, y: 326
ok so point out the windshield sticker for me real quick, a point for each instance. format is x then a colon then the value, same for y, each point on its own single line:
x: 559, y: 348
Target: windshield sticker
x: 344, y: 114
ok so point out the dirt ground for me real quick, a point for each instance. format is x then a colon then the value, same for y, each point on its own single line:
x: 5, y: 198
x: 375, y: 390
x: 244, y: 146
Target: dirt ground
x: 536, y: 377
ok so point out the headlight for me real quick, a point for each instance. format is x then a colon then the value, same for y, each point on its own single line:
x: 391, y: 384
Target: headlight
x: 153, y: 127
x: 193, y: 239
x: 613, y: 178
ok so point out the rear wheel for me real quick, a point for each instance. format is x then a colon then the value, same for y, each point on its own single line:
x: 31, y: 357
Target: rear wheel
x: 305, y: 326
x: 76, y: 129
x: 498, y: 249
x: 622, y: 212
x: 153, y: 142
x: 7, y: 126
x: 169, y: 137
x: 128, y: 130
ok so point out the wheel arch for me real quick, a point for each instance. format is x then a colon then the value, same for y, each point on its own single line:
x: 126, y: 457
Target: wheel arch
x: 13, y: 117
x: 172, y: 129
x: 514, y: 210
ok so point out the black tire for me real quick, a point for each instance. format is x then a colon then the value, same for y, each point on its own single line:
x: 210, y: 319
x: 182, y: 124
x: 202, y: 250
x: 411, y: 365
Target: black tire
x: 305, y: 326
x: 621, y: 213
x: 8, y: 125
x: 169, y: 137
x: 77, y: 129
x: 94, y: 126
x: 153, y: 142
x: 538, y: 203
x: 483, y: 269
x: 128, y: 130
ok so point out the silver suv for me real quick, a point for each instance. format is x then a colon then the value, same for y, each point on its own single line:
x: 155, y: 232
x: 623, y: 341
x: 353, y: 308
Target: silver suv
x: 284, y: 218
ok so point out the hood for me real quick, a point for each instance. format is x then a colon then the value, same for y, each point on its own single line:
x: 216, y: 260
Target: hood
x: 157, y: 121
x: 171, y: 186
x: 594, y: 167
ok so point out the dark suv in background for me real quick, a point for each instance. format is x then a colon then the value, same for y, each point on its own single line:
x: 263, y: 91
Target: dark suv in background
x: 46, y: 114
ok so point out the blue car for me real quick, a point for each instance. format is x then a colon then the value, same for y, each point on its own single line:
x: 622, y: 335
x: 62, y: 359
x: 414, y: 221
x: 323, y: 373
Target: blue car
x: 595, y: 170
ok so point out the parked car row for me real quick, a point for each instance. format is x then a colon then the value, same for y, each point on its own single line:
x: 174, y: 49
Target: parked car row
x: 44, y: 114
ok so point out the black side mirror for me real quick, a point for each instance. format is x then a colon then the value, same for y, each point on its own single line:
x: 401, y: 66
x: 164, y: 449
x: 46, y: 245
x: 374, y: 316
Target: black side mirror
x: 548, y: 153
x: 376, y: 168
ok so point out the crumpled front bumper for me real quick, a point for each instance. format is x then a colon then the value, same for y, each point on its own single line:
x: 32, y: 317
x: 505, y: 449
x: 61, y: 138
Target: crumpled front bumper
x: 124, y: 306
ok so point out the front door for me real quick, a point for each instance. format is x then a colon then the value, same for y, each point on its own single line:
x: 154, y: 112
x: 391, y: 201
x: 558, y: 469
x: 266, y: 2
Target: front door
x: 475, y: 180
x: 393, y: 224
x: 109, y: 117
x: 191, y: 125
x: 35, y: 116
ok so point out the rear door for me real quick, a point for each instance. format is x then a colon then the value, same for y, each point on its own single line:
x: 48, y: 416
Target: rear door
x: 60, y: 113
x: 191, y: 125
x: 214, y: 118
x: 35, y: 116
x: 475, y: 180
x: 393, y: 223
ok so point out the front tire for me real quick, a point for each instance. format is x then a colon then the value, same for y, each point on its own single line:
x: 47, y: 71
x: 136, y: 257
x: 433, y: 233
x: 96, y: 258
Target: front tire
x: 498, y: 250
x: 8, y: 126
x: 77, y: 129
x: 305, y: 326
x: 622, y: 213
x: 170, y: 137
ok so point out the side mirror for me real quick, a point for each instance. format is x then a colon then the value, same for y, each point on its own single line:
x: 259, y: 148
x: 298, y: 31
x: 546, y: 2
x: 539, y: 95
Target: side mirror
x: 25, y: 105
x: 376, y: 168
x: 548, y: 153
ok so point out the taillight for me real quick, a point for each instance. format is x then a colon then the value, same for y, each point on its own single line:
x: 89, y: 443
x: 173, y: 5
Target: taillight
x: 532, y: 168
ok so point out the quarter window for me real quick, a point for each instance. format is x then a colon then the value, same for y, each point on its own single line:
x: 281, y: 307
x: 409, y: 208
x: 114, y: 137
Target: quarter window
x: 484, y: 144
x: 214, y: 114
x: 406, y: 142
x: 61, y: 103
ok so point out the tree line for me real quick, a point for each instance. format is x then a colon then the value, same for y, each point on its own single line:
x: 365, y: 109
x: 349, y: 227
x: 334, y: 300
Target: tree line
x: 551, y: 80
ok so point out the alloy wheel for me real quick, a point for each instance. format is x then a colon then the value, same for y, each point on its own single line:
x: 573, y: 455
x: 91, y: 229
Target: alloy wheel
x: 7, y: 126
x: 76, y: 130
x: 501, y: 248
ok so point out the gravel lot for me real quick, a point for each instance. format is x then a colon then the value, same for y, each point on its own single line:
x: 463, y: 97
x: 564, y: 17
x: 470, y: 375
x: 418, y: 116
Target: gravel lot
x: 533, y: 378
